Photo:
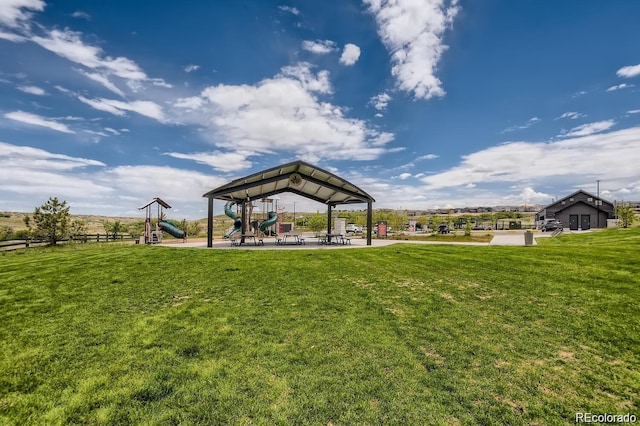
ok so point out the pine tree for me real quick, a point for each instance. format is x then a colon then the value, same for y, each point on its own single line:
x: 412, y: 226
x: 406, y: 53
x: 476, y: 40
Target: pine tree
x: 51, y: 220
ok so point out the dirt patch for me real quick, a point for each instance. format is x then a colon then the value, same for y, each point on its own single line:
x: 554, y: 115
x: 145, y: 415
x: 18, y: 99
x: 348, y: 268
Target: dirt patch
x: 396, y: 311
x: 179, y: 300
x: 448, y: 297
x: 502, y: 363
x: 433, y: 355
x: 566, y: 355
x: 519, y: 407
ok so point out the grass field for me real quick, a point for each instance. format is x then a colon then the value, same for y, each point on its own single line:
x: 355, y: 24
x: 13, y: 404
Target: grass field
x: 404, y: 334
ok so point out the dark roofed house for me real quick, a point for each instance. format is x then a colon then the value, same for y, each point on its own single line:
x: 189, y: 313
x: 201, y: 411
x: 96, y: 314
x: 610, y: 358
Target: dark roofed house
x: 579, y: 211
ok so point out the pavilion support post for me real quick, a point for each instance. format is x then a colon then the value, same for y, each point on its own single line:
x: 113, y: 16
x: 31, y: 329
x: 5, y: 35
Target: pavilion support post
x: 243, y: 215
x: 328, y: 222
x: 210, y: 222
x: 369, y: 221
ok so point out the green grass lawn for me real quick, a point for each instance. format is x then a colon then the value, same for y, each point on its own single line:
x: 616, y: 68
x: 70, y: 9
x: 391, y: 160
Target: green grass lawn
x: 404, y: 334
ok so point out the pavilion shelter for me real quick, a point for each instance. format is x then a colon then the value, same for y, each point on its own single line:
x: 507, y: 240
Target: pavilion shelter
x: 297, y: 177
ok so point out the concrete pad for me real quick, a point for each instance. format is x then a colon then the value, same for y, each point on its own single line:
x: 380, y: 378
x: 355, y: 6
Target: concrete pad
x: 510, y: 238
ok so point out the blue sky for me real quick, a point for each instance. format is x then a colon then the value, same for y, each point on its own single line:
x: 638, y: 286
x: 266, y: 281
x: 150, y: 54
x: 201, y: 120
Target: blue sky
x: 422, y: 103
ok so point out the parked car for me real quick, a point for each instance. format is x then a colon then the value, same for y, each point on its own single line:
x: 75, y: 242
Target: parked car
x: 353, y: 228
x: 552, y: 226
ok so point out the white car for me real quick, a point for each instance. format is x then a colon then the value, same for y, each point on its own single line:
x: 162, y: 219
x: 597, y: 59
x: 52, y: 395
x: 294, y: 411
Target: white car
x: 353, y: 228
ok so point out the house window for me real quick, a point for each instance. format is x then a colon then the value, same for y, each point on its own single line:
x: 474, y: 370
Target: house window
x: 571, y: 199
x: 562, y: 203
x: 590, y: 199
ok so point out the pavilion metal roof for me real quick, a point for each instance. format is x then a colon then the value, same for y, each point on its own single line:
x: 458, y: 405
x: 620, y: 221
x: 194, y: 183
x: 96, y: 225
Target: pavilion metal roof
x: 297, y: 177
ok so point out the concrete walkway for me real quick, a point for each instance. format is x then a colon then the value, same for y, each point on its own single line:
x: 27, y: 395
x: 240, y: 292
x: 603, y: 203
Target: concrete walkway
x: 501, y: 238
x: 510, y: 238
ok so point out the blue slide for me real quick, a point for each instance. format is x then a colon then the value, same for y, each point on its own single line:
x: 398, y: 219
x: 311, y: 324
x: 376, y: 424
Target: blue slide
x: 271, y: 219
x: 237, y: 222
x: 172, y: 229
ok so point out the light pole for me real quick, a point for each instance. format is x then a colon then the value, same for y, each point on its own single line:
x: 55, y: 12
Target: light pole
x: 294, y: 215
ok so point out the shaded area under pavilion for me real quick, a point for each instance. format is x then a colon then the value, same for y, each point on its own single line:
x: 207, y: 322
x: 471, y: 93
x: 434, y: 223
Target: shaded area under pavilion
x: 297, y: 177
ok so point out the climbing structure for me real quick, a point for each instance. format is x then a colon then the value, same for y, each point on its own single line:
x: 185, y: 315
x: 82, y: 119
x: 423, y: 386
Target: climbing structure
x: 153, y: 231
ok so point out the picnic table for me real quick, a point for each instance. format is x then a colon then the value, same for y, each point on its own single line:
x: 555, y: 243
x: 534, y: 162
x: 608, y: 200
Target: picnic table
x: 332, y: 238
x: 290, y: 238
x: 245, y: 238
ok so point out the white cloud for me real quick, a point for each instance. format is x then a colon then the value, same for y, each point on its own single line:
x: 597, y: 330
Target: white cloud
x: 102, y: 80
x: 526, y: 125
x: 633, y: 111
x: 611, y: 155
x: 529, y: 195
x: 169, y: 183
x: 590, y: 128
x: 291, y: 10
x: 619, y: 87
x: 350, y: 54
x: 33, y: 90
x: 160, y: 83
x: 119, y: 108
x: 313, y: 83
x: 380, y: 101
x: 404, y: 176
x: 221, y: 161
x: 319, y: 47
x: 412, y: 31
x: 33, y: 171
x: 89, y: 184
x: 629, y: 71
x: 69, y: 45
x: 284, y: 114
x: 12, y: 14
x: 81, y: 15
x: 22, y: 156
x: 192, y: 103
x: 427, y: 157
x: 36, y: 120
x: 12, y: 37
x: 572, y: 115
x: 191, y: 68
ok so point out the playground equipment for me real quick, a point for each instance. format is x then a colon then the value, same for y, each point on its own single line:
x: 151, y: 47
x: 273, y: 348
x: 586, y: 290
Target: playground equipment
x: 271, y: 220
x: 263, y: 225
x: 154, y: 236
x: 237, y: 222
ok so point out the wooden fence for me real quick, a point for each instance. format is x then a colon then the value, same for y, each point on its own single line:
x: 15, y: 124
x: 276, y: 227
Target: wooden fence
x: 16, y: 244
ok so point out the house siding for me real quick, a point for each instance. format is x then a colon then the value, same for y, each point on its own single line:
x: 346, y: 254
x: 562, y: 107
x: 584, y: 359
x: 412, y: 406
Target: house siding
x: 582, y: 204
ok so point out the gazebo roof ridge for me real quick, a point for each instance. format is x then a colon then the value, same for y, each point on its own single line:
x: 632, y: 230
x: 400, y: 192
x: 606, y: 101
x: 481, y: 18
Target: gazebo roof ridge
x: 298, y: 177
